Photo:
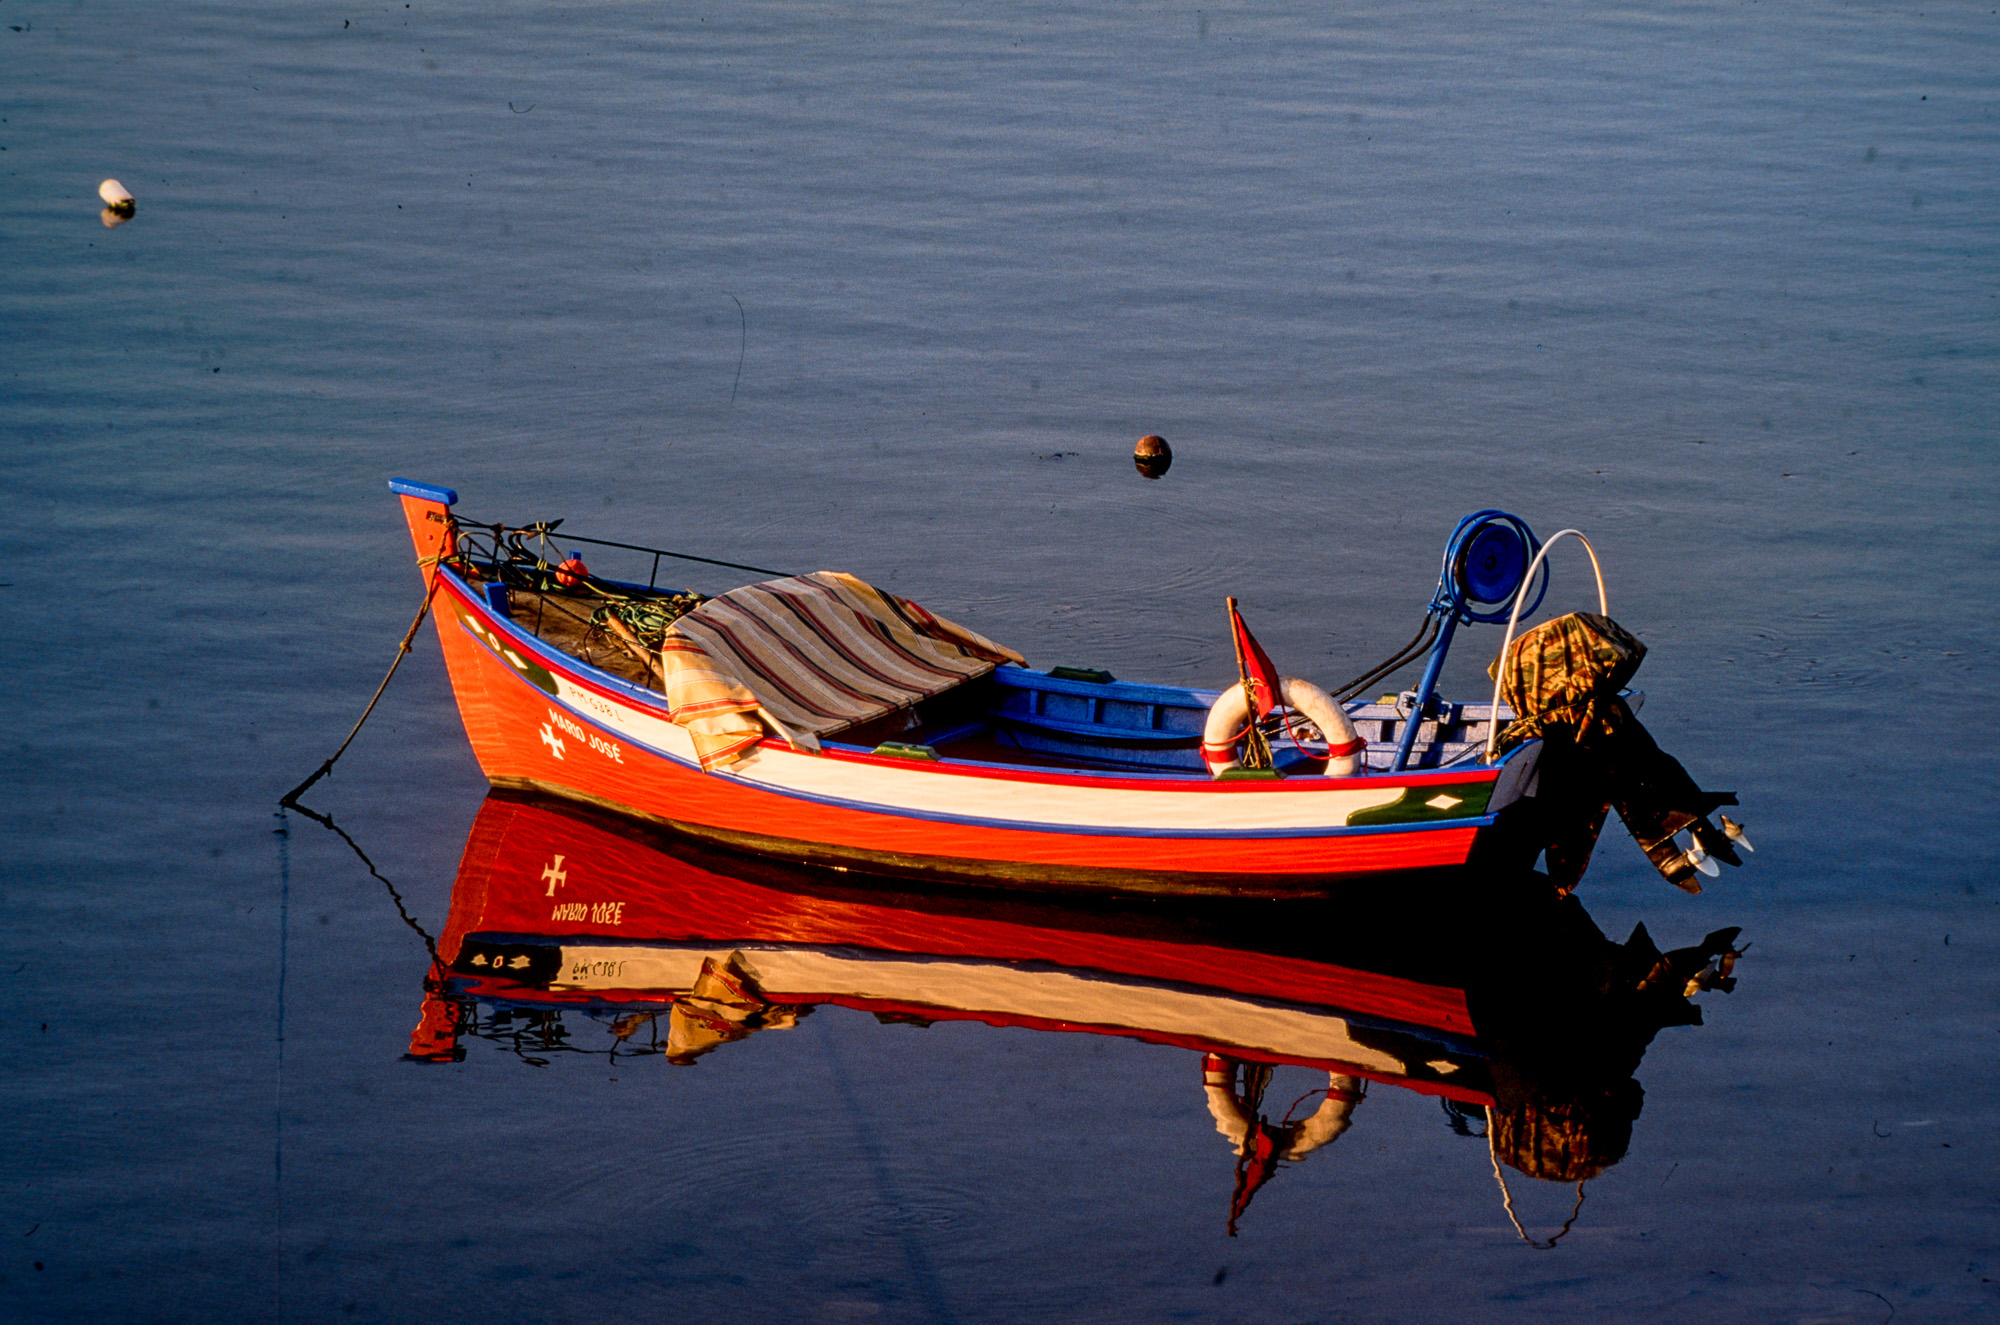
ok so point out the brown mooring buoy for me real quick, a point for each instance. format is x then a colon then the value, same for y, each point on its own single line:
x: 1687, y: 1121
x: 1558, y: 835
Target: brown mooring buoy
x: 1152, y: 456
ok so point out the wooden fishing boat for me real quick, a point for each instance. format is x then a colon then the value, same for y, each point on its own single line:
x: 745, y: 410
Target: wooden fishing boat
x: 818, y: 719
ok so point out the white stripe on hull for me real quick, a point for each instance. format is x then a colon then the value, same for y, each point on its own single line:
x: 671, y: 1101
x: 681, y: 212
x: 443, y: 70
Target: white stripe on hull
x: 794, y: 974
x: 926, y: 791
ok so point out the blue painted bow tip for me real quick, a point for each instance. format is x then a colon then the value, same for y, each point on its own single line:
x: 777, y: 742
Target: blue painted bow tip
x: 426, y: 491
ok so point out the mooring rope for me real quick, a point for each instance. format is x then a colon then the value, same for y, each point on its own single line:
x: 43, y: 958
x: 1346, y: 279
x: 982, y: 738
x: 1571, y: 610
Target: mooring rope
x: 396, y: 897
x: 290, y: 799
x: 284, y: 835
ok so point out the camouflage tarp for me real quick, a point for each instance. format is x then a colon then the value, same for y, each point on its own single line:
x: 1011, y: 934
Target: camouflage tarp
x: 1567, y: 673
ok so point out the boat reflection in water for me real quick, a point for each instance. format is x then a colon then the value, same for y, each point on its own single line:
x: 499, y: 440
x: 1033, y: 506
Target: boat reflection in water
x: 573, y: 932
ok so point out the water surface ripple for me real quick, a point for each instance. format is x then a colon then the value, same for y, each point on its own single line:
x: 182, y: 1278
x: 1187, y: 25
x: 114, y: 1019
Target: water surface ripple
x: 891, y: 289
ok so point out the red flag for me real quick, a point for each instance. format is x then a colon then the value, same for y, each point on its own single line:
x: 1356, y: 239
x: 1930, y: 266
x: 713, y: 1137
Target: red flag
x: 1258, y: 1166
x: 1254, y: 665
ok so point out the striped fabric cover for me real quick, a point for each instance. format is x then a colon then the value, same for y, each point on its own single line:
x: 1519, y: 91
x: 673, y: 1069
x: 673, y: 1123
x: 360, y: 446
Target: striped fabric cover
x: 810, y: 655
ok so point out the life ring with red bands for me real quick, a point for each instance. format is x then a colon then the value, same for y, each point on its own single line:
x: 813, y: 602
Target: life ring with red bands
x: 1229, y: 722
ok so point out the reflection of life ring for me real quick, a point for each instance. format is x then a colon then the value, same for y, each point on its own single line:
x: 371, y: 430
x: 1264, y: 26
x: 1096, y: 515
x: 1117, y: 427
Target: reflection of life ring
x: 1233, y: 1120
x: 1228, y: 722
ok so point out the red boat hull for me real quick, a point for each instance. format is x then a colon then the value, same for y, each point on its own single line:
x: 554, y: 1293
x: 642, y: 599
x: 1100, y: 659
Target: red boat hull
x: 524, y: 739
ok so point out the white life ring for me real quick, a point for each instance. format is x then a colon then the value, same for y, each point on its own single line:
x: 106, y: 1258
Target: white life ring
x: 1229, y: 720
x: 1296, y: 1140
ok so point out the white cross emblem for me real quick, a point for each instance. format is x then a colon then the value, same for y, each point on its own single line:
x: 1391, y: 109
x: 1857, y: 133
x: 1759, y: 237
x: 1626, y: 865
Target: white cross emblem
x: 555, y: 875
x: 553, y: 741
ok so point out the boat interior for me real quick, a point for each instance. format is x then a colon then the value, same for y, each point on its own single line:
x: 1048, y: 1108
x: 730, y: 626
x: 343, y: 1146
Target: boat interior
x: 1065, y: 717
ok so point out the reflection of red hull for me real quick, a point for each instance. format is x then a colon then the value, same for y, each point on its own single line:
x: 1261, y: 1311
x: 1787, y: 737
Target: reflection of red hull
x: 584, y: 736
x: 540, y: 876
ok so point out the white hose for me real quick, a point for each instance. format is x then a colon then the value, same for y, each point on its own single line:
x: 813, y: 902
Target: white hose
x: 1514, y: 619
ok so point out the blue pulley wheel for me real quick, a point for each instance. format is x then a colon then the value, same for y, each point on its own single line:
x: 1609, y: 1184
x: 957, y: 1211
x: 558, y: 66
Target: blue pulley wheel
x: 1491, y: 566
x: 1484, y: 564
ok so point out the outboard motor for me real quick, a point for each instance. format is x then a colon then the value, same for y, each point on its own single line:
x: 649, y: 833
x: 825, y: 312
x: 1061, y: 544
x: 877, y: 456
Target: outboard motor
x: 1563, y: 679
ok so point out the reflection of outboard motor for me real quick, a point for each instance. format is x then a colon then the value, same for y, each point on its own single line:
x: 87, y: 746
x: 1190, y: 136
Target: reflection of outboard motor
x: 1260, y: 1143
x: 1565, y: 1020
x: 1563, y: 679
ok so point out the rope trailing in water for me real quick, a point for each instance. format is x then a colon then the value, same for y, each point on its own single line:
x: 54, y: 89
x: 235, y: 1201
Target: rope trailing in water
x: 290, y: 800
x: 395, y: 896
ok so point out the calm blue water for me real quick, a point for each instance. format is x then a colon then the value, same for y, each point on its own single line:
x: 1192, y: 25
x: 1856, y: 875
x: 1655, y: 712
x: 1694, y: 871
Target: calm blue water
x: 892, y: 289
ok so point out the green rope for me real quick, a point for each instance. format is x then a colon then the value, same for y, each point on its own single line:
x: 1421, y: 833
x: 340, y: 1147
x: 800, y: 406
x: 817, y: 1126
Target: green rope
x: 648, y: 618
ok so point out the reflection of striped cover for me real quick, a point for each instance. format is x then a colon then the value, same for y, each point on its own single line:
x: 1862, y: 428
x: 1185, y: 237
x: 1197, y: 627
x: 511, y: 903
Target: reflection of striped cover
x: 815, y: 654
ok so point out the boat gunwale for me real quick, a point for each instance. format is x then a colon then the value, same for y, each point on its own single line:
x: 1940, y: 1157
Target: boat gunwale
x: 612, y: 687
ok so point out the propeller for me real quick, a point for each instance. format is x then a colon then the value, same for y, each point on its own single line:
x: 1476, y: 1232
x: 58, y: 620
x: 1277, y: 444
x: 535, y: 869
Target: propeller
x: 1702, y: 861
x: 1734, y: 832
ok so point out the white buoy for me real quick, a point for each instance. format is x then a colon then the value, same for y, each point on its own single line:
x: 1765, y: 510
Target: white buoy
x: 117, y: 197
